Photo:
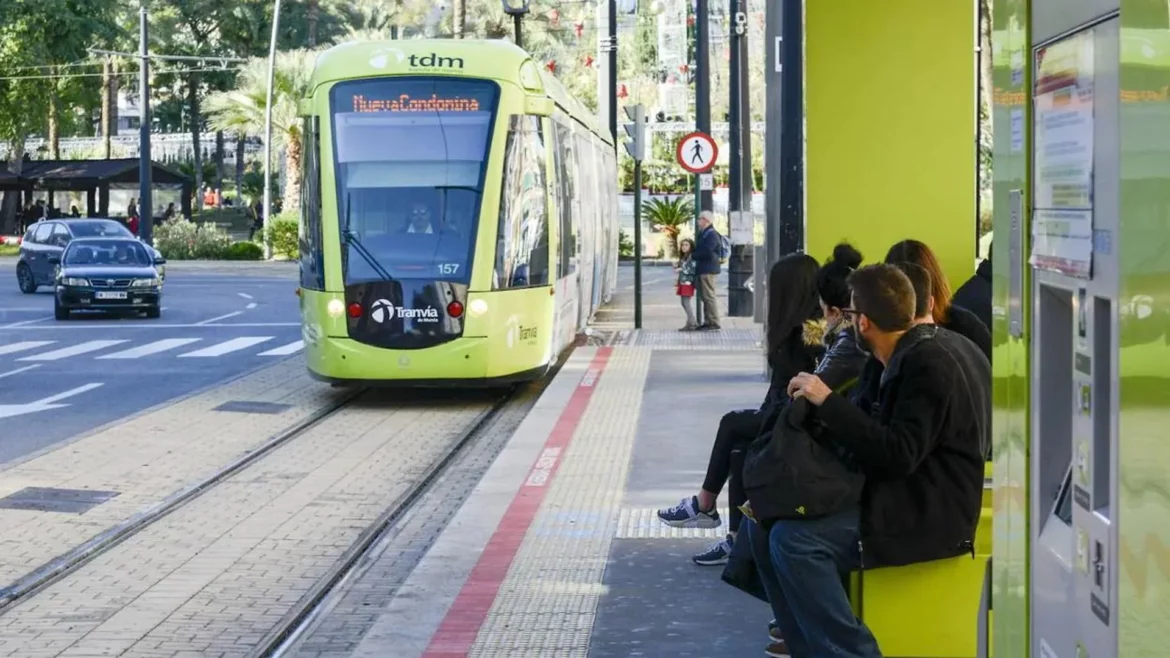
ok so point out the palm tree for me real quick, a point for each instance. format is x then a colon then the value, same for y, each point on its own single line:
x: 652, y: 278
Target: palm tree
x: 242, y: 109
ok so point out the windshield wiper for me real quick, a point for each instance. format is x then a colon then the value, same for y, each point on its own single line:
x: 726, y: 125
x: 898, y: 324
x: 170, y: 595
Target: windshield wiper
x: 351, y: 239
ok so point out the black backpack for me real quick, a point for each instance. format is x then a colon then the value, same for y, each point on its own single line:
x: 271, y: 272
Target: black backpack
x: 789, y: 474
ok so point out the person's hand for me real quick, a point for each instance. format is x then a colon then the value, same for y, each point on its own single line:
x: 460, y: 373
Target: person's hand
x: 810, y: 387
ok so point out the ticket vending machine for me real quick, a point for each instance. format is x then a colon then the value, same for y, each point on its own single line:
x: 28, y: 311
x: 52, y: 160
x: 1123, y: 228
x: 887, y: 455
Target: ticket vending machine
x: 1073, y: 333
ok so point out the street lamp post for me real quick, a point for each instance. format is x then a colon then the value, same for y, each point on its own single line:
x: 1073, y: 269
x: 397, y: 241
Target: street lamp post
x: 267, y: 208
x: 516, y: 9
x: 145, y: 200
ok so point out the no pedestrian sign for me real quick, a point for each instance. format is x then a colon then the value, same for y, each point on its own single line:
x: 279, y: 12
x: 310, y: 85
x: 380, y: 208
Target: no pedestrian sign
x: 697, y: 152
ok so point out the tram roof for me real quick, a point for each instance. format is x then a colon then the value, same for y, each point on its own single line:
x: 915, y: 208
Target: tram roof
x: 494, y: 59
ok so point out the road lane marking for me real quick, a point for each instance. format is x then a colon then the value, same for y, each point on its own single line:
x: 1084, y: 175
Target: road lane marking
x: 150, y: 348
x: 285, y: 350
x: 244, y: 295
x: 233, y: 345
x: 44, y: 404
x: 24, y: 346
x: 18, y: 370
x: 73, y: 350
x: 251, y: 306
x: 222, y: 317
x: 25, y: 322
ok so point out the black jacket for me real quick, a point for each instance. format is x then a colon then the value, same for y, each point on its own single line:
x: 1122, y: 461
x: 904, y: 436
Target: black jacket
x: 921, y: 446
x: 975, y: 294
x: 967, y: 324
x: 796, y: 354
x: 843, y: 361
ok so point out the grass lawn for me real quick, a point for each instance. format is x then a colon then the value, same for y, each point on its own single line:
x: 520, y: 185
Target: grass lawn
x: 9, y: 250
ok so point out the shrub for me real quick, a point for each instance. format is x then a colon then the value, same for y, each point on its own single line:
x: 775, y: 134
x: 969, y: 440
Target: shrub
x: 244, y: 251
x: 284, y: 230
x: 625, y: 245
x: 182, y: 240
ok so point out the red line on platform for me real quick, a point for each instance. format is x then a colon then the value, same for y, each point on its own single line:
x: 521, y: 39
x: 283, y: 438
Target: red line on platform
x: 456, y: 635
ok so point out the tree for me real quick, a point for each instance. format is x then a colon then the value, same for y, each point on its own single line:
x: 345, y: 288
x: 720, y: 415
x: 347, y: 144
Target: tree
x: 37, y: 39
x: 242, y: 109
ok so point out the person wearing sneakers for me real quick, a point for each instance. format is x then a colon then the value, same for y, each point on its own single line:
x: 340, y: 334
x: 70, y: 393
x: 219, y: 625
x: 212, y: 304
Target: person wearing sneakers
x: 685, y: 285
x: 794, y: 343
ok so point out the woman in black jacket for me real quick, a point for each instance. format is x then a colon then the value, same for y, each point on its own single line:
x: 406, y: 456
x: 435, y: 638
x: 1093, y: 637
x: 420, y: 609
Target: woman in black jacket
x: 947, y: 315
x: 793, y: 338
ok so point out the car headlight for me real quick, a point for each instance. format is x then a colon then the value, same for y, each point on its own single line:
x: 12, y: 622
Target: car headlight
x: 146, y: 283
x: 73, y: 281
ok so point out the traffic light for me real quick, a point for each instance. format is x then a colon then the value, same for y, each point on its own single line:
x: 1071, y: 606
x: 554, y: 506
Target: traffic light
x: 636, y: 130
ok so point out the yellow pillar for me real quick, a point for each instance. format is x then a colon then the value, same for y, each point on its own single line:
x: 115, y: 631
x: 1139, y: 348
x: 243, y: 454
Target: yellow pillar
x: 890, y: 101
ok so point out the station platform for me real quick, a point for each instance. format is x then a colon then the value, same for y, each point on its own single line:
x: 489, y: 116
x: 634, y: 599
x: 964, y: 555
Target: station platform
x: 558, y: 550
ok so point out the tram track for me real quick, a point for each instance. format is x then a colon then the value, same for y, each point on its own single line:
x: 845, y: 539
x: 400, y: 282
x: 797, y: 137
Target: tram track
x: 69, y: 562
x: 285, y: 638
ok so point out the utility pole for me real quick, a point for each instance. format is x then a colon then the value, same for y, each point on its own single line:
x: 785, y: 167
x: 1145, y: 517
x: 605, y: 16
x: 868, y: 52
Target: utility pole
x: 267, y: 210
x: 636, y: 147
x: 791, y: 155
x: 703, y: 199
x: 741, y: 221
x: 145, y: 202
x: 613, y: 68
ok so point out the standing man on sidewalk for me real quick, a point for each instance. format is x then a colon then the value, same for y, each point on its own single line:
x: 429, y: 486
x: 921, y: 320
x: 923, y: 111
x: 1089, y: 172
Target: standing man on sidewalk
x: 707, y: 251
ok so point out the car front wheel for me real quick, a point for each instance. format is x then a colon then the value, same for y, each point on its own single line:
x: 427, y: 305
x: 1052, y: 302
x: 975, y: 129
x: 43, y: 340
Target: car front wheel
x: 60, y: 312
x: 24, y: 277
x: 154, y: 312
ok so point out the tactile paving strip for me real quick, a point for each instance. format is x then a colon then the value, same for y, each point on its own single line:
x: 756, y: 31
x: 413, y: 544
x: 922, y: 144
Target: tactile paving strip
x: 548, y: 603
x: 724, y: 339
x: 644, y: 524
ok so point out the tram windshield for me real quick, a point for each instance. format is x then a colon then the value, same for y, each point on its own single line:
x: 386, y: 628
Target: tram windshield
x: 410, y: 158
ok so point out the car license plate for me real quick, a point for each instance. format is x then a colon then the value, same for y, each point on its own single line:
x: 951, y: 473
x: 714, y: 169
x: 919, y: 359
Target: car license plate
x: 110, y: 294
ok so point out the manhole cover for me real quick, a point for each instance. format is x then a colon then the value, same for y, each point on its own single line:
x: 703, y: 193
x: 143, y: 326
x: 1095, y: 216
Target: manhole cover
x: 251, y: 407
x: 47, y: 499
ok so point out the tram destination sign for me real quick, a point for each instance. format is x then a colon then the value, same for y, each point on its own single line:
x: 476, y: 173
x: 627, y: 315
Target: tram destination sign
x: 406, y: 103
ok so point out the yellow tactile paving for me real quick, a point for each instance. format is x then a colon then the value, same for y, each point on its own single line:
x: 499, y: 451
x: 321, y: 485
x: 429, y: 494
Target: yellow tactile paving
x: 547, y: 604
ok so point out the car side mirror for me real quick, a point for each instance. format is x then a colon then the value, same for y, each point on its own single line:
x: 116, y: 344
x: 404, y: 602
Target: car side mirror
x: 56, y: 260
x: 160, y: 261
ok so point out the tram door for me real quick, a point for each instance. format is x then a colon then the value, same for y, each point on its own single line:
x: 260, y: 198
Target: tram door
x: 1073, y: 480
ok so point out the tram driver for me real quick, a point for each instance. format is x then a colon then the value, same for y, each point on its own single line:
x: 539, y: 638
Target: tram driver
x: 420, y: 219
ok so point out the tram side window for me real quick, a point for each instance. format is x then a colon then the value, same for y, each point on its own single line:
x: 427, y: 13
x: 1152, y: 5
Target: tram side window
x: 566, y: 172
x: 522, y: 258
x: 310, y: 238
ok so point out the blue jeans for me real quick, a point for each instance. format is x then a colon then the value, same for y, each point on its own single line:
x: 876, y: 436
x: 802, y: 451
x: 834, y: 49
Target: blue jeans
x: 802, y: 576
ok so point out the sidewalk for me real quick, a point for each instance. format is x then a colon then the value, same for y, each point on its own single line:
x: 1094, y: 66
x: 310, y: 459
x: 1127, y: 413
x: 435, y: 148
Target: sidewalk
x: 558, y: 551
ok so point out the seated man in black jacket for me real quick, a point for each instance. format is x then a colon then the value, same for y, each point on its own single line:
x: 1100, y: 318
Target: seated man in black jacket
x: 922, y: 451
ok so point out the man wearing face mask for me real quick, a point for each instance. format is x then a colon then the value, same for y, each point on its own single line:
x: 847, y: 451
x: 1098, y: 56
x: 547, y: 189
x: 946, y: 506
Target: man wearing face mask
x: 921, y: 447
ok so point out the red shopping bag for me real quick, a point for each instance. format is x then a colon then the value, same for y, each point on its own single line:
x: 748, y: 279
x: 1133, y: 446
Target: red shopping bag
x: 686, y: 290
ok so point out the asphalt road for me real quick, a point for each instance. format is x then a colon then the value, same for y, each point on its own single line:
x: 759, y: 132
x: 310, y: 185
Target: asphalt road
x: 217, y: 323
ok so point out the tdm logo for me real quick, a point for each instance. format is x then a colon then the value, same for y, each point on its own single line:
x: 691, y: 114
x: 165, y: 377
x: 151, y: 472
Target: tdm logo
x: 433, y: 60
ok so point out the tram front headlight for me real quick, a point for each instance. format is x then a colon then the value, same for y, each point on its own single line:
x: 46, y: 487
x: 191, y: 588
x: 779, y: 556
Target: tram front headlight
x: 477, y: 307
x: 335, y: 308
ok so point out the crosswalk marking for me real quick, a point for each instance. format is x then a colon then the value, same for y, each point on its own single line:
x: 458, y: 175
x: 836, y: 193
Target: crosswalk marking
x: 225, y: 347
x: 150, y: 348
x: 73, y: 350
x: 23, y: 346
x: 285, y: 350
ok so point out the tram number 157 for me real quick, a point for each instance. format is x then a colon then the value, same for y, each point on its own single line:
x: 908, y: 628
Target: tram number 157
x: 448, y: 268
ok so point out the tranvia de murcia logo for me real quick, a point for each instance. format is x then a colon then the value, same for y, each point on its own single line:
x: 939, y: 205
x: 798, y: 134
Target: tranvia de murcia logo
x: 381, y: 311
x: 382, y: 57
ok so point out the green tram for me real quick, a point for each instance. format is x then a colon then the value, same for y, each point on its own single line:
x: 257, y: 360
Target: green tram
x: 459, y: 215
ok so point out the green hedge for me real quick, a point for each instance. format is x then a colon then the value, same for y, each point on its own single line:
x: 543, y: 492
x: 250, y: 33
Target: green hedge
x: 183, y: 240
x: 284, y: 230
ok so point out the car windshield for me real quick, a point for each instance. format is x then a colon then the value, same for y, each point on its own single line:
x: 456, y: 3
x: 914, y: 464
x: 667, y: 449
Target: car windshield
x: 113, y: 253
x: 410, y: 159
x: 99, y: 229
